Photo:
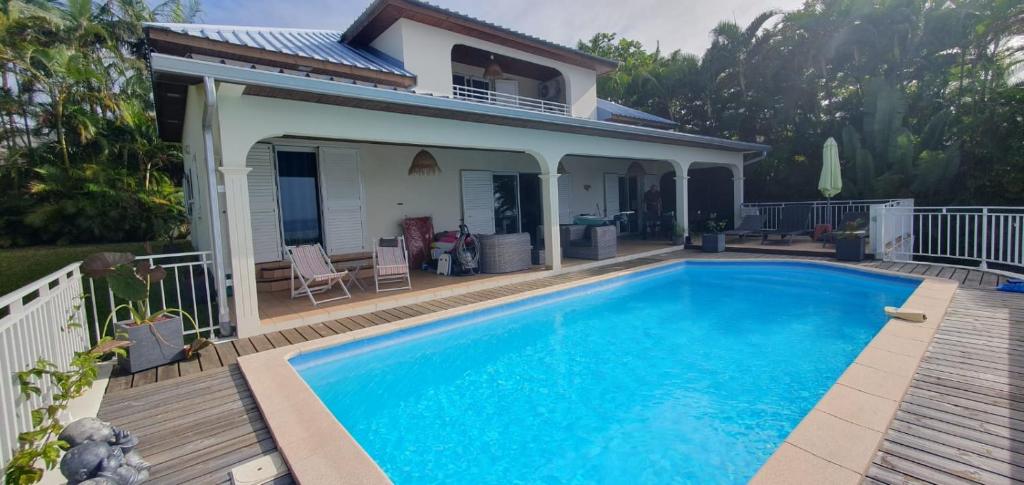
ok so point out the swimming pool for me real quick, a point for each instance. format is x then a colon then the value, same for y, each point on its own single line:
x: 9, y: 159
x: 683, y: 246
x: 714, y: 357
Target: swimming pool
x: 692, y: 372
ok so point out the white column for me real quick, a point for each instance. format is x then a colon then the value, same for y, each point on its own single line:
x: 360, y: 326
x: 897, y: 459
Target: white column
x: 552, y: 235
x: 243, y: 262
x: 682, y: 200
x: 737, y: 197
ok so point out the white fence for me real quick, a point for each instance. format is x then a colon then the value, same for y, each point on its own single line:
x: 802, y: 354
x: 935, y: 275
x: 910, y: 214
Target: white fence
x: 509, y: 100
x: 189, y: 286
x: 985, y: 235
x: 33, y: 326
x: 822, y: 212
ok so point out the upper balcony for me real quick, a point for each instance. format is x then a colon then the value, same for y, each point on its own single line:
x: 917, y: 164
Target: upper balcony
x: 484, y: 77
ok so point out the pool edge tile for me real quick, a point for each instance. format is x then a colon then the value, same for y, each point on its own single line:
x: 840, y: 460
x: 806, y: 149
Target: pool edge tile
x: 816, y: 434
x: 790, y: 465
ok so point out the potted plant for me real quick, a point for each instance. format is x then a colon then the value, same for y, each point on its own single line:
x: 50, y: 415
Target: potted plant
x: 850, y: 243
x: 713, y: 239
x: 679, y: 236
x: 154, y: 338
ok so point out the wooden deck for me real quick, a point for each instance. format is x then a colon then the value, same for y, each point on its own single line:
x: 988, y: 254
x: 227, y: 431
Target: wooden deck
x: 962, y: 420
x: 196, y: 420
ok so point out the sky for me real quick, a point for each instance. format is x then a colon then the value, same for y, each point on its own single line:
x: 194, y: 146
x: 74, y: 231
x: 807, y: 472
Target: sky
x: 679, y: 24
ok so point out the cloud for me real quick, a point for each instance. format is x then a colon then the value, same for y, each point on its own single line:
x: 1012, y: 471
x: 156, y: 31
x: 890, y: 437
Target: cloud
x: 680, y: 24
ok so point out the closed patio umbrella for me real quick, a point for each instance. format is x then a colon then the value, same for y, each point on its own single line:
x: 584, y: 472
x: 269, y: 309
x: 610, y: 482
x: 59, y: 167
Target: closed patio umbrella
x: 831, y: 181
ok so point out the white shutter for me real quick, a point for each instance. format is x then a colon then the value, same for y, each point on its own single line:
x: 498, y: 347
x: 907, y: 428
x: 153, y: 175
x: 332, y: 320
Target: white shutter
x: 478, y: 201
x: 266, y: 223
x: 565, y: 199
x: 341, y: 200
x: 611, y: 194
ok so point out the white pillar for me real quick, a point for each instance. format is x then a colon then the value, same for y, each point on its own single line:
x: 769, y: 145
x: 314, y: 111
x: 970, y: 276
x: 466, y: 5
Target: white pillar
x: 682, y: 200
x: 243, y: 262
x: 549, y: 207
x: 737, y: 197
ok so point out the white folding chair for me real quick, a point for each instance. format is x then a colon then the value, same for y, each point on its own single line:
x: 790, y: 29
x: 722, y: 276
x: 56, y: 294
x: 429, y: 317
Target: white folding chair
x: 391, y: 264
x: 316, y: 274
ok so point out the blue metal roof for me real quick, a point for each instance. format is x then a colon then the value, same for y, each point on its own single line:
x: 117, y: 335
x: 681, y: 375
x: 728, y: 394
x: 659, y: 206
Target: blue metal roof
x: 323, y: 45
x: 607, y: 109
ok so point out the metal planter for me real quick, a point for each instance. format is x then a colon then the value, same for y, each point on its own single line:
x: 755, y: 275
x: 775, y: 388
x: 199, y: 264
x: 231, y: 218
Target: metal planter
x: 153, y: 344
x: 850, y: 249
x: 713, y: 242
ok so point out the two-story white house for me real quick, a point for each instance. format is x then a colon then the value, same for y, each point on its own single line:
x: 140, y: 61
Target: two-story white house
x: 308, y: 136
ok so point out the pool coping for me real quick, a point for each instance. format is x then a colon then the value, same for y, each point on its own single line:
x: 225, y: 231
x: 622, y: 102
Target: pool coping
x: 834, y: 442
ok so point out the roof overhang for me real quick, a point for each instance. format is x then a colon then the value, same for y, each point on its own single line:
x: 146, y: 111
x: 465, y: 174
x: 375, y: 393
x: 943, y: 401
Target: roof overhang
x: 308, y: 89
x: 381, y: 14
x: 165, y: 41
x: 641, y: 122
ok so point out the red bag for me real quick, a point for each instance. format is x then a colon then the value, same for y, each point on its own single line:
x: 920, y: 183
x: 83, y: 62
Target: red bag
x: 419, y: 233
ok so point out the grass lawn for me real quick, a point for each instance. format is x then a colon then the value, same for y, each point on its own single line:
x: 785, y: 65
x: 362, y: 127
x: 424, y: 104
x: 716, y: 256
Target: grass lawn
x: 20, y: 266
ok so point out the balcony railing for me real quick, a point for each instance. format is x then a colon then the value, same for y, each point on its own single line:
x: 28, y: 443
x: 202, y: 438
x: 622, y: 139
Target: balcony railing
x: 509, y: 100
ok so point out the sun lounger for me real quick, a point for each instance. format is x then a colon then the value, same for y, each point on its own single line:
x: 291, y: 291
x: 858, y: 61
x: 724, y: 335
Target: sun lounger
x: 794, y: 223
x: 749, y: 226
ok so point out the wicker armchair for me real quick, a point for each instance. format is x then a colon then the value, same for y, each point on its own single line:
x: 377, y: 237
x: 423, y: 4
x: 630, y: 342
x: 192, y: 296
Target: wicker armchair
x: 595, y: 242
x: 505, y: 253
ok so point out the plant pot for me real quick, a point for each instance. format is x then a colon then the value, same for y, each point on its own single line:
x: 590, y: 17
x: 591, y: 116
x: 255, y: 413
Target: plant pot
x: 153, y: 344
x: 850, y: 249
x: 713, y: 242
x: 679, y: 240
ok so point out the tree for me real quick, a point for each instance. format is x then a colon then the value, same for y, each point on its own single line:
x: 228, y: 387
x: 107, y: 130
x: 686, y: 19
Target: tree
x: 919, y: 94
x: 83, y: 162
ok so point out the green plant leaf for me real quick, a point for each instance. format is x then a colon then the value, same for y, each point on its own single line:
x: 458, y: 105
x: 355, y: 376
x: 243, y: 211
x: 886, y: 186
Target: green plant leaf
x: 102, y: 264
x: 126, y: 284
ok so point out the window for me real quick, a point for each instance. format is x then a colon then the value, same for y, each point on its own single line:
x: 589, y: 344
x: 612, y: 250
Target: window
x: 475, y: 86
x: 298, y: 182
x: 506, y: 203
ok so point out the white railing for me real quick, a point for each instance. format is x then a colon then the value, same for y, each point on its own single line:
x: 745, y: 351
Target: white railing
x: 891, y: 235
x: 188, y: 286
x: 986, y: 235
x: 509, y: 100
x: 822, y: 212
x: 34, y: 325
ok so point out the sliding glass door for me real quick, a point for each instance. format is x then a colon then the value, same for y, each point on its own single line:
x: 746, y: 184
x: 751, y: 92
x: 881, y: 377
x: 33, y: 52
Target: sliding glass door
x: 299, y: 193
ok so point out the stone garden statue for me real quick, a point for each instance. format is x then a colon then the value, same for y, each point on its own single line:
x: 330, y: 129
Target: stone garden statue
x: 101, y: 454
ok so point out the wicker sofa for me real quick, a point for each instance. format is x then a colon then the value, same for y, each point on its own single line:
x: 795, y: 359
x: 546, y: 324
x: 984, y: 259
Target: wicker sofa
x: 505, y: 253
x: 589, y: 242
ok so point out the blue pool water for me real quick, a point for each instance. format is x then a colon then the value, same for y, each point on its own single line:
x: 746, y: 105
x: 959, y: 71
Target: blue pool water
x: 693, y: 372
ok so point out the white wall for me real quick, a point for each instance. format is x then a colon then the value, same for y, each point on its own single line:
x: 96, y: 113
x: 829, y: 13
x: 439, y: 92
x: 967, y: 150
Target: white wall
x: 426, y: 51
x: 589, y: 171
x: 192, y: 154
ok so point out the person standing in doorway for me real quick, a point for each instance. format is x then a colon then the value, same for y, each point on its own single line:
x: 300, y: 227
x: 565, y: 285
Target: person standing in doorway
x: 652, y: 210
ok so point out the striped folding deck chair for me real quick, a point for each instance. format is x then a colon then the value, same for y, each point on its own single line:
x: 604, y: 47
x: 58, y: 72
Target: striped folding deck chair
x: 391, y: 264
x: 315, y: 273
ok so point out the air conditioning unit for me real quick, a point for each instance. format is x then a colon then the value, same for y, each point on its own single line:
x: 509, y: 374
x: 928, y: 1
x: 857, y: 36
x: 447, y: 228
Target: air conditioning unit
x: 550, y: 90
